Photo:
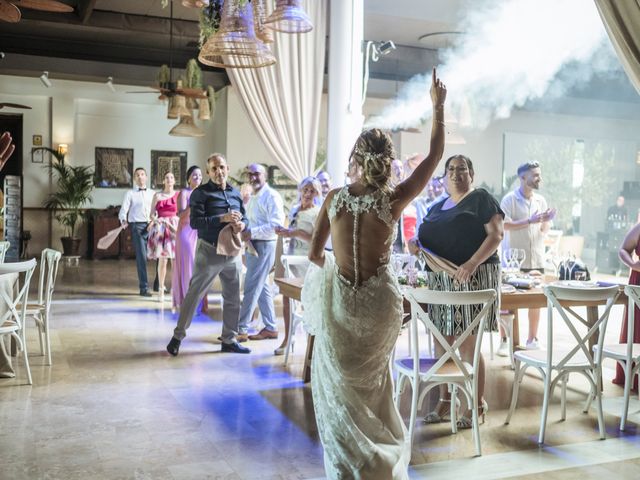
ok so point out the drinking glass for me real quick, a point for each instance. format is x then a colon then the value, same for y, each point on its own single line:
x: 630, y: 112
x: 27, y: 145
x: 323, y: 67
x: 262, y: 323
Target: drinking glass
x: 520, y: 257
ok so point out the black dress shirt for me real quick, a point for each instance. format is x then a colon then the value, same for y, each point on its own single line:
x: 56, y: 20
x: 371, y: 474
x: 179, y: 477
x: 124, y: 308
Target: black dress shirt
x: 208, y: 204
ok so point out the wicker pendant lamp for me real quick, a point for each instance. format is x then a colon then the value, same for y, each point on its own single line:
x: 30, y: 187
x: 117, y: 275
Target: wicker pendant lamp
x: 204, y: 112
x: 178, y: 107
x: 289, y: 17
x: 186, y: 128
x: 235, y: 44
x: 263, y: 32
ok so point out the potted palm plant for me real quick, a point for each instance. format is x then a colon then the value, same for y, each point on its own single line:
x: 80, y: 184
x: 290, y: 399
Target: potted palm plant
x: 75, y: 187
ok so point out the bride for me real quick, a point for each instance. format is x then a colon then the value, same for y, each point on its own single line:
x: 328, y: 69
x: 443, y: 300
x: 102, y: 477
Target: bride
x: 353, y: 305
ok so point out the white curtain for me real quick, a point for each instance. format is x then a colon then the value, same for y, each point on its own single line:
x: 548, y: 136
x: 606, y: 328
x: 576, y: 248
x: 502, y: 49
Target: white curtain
x: 283, y: 101
x: 621, y: 19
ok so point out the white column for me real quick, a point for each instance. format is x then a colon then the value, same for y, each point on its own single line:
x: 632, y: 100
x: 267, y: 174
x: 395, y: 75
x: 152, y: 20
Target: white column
x: 345, y: 117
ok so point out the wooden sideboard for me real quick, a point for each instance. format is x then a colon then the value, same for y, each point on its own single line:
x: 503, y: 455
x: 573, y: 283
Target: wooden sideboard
x: 102, y: 221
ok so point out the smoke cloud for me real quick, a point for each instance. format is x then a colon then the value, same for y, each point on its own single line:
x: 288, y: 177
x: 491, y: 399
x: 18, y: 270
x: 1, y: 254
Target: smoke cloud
x: 513, y: 51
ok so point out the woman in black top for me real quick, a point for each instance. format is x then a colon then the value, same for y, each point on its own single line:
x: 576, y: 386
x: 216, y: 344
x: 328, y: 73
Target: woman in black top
x: 466, y: 229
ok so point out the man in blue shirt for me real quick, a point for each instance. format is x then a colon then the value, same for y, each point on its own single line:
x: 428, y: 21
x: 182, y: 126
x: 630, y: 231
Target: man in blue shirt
x: 214, y: 205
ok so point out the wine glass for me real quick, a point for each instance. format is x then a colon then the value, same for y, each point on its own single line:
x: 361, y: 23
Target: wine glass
x: 520, y: 256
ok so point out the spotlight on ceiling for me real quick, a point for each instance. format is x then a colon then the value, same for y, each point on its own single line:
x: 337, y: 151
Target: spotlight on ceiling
x: 386, y: 47
x: 44, y: 78
x: 110, y: 84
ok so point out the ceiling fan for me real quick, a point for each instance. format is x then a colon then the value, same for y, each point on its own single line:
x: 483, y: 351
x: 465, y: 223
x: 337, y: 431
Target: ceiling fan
x: 171, y: 89
x: 10, y: 9
x: 13, y: 105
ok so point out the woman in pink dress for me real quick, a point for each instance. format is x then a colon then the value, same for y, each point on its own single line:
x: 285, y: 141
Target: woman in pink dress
x: 162, y: 229
x: 186, y: 239
x: 629, y: 254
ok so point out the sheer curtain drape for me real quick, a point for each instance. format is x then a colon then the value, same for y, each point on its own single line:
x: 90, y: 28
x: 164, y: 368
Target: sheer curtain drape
x: 621, y: 19
x: 283, y: 101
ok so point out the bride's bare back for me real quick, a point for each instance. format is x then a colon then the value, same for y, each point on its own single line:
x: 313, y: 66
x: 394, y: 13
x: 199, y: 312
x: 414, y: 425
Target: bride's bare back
x: 362, y: 231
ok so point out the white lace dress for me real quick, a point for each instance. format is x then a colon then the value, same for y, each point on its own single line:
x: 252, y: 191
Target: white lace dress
x: 356, y: 328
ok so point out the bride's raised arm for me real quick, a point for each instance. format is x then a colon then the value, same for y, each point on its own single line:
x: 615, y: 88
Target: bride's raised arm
x: 417, y: 181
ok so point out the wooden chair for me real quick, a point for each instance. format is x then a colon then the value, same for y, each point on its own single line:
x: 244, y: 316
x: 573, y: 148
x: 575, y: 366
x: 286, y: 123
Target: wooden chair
x: 295, y: 307
x: 424, y: 373
x: 562, y: 360
x: 626, y: 354
x: 40, y: 310
x: 12, y: 322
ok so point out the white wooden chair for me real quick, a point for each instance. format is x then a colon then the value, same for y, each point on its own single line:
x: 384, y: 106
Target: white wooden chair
x: 40, y: 310
x: 4, y: 248
x: 426, y: 373
x: 295, y: 307
x: 626, y: 354
x: 12, y: 321
x: 562, y: 360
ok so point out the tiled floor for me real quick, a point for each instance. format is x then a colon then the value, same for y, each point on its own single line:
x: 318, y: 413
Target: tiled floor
x: 115, y: 405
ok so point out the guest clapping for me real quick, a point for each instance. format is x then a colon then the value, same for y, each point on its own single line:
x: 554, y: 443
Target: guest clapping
x: 162, y: 229
x: 301, y: 222
x: 465, y: 229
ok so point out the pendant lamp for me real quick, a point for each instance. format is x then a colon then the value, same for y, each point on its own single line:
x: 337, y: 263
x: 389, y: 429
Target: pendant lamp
x: 186, y: 128
x: 289, y: 17
x: 263, y: 32
x: 235, y: 44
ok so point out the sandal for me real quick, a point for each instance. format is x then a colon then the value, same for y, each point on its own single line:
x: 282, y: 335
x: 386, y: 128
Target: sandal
x: 466, y: 422
x: 435, y: 417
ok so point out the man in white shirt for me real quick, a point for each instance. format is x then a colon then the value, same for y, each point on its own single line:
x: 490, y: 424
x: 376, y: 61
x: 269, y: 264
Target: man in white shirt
x: 527, y: 220
x: 265, y: 212
x: 135, y: 211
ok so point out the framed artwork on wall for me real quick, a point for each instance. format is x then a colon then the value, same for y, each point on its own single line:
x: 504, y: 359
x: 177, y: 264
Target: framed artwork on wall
x: 114, y: 167
x: 163, y: 161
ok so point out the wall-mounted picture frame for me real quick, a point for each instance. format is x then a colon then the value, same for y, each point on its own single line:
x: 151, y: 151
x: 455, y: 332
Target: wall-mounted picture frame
x: 113, y: 167
x: 37, y: 155
x: 163, y: 161
x: 37, y: 141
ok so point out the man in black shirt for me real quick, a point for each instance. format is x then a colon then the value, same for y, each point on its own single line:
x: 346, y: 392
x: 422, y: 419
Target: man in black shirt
x: 214, y: 205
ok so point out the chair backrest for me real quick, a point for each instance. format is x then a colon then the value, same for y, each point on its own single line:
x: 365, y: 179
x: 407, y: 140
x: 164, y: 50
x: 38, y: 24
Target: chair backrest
x: 21, y: 298
x: 49, y: 261
x: 293, y: 260
x: 424, y: 296
x: 633, y: 296
x: 4, y: 247
x: 556, y: 295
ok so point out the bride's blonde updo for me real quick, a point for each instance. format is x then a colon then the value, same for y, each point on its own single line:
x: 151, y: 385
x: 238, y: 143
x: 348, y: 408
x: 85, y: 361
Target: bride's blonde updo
x: 374, y: 152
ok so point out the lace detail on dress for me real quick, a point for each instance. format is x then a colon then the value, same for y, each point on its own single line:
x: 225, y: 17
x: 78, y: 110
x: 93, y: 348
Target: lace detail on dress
x: 362, y: 204
x: 357, y: 205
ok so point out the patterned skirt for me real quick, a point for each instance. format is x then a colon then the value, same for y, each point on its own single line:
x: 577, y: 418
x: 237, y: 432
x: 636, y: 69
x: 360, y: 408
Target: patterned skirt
x: 162, y: 238
x: 454, y: 319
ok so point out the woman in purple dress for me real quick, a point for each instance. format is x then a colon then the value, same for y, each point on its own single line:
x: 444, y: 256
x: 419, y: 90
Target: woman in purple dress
x: 186, y: 239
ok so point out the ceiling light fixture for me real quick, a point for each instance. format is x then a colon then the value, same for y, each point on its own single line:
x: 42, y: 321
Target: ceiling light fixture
x: 110, y: 84
x: 44, y: 78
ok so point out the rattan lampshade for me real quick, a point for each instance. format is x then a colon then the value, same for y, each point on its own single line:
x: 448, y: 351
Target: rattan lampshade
x: 186, y: 128
x: 178, y: 107
x: 263, y: 32
x: 289, y: 17
x: 235, y: 44
x: 204, y: 112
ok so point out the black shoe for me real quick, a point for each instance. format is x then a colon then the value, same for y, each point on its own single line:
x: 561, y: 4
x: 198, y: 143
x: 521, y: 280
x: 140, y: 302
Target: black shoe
x: 174, y: 346
x: 145, y: 293
x: 234, y: 347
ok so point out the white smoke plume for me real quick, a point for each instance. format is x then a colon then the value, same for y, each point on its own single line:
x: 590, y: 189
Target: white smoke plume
x: 512, y: 52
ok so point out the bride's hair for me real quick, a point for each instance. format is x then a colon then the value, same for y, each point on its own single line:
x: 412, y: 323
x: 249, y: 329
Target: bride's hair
x: 374, y: 152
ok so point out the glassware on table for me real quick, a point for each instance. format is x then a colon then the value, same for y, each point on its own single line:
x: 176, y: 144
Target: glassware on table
x: 520, y: 257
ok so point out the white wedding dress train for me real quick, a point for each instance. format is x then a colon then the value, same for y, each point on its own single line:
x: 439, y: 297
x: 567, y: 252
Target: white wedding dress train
x: 355, y: 331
